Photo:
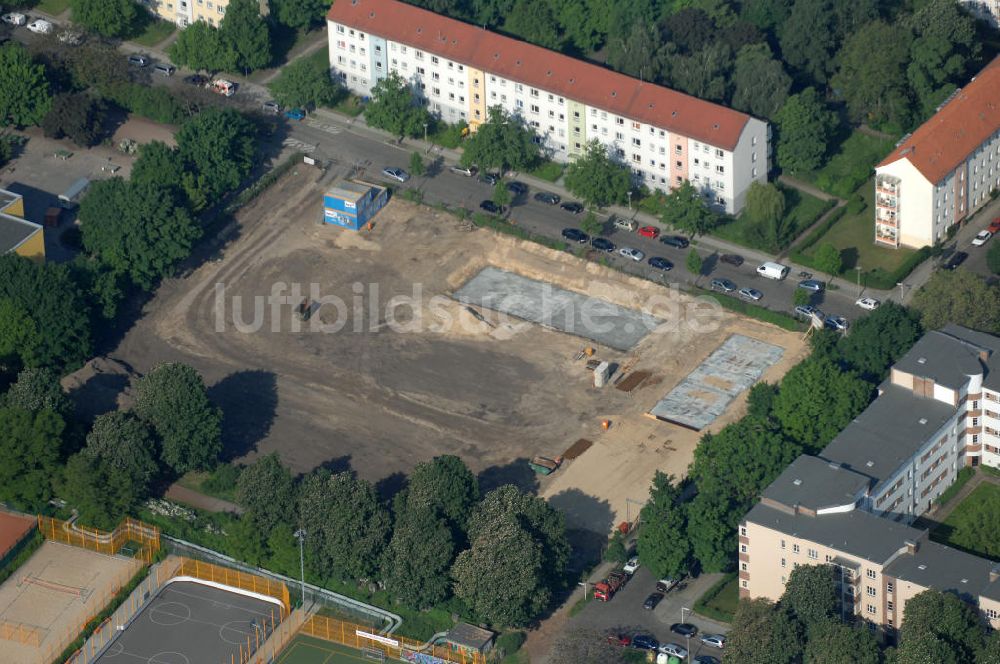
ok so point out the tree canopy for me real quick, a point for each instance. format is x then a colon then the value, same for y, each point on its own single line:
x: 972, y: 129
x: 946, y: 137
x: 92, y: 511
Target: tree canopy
x: 76, y: 116
x: 29, y: 446
x: 300, y: 13
x: 219, y: 146
x: 809, y: 595
x: 834, y: 642
x: 419, y: 557
x: 685, y: 209
x: 879, y: 339
x: 501, y: 143
x: 246, y: 35
x: 762, y: 634
x: 25, y: 97
x: 36, y: 390
x: 305, y: 83
x: 939, y: 622
x: 958, y: 296
x: 805, y: 128
x: 393, y: 108
x: 101, y: 493
x: 267, y: 490
x: 444, y: 484
x: 110, y: 18
x: 124, y: 442
x: 596, y: 178
x: 663, y: 545
x: 200, y: 46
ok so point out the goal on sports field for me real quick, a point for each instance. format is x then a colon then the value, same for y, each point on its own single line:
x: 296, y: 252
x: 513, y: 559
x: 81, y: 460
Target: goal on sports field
x: 373, y: 654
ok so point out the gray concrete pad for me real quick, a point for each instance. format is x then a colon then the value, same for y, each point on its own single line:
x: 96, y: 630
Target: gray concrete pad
x: 556, y: 308
x: 705, y: 392
x: 191, y: 623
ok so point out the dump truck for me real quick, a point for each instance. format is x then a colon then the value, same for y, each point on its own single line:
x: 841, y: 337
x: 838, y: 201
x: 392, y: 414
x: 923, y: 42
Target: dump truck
x: 607, y: 588
x: 544, y: 465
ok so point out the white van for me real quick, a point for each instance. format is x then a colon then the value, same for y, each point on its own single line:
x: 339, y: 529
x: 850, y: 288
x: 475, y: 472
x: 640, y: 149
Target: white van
x: 774, y: 271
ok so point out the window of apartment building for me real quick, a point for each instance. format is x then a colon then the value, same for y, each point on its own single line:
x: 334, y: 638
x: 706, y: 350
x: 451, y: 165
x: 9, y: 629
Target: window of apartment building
x: 813, y: 553
x: 519, y: 87
x: 435, y: 76
x: 677, y: 164
x: 534, y: 93
x: 781, y: 544
x: 870, y: 591
x: 364, y: 67
x: 434, y: 59
x: 870, y: 573
x: 619, y: 153
x: 720, y: 185
x: 620, y: 121
x: 405, y: 65
x: 652, y: 164
x: 619, y: 136
x: 719, y: 153
x: 743, y: 567
x: 753, y: 141
x: 992, y: 614
x: 636, y: 142
x: 340, y: 29
x: 636, y: 126
x: 870, y: 609
x: 461, y: 99
x: 889, y: 606
x: 451, y: 96
x: 534, y: 124
x: 420, y: 70
x: 562, y: 117
x: 975, y: 421
x: 576, y: 115
x: 419, y: 55
x: 353, y: 48
x: 889, y: 587
x: 519, y: 103
x: 552, y: 114
x: 436, y: 92
x: 720, y: 169
x: 663, y: 150
x: 460, y: 67
x: 743, y: 583
x: 637, y: 158
x: 362, y: 50
x: 503, y: 98
x: 754, y: 173
x: 560, y: 101
x: 783, y: 563
x: 577, y: 145
x: 378, y: 48
x: 534, y: 108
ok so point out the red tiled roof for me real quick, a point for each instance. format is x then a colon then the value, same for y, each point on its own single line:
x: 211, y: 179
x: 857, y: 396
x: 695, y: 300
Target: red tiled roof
x: 942, y: 143
x: 543, y: 69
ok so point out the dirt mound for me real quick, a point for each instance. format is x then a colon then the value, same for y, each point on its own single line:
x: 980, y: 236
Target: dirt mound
x: 100, y: 386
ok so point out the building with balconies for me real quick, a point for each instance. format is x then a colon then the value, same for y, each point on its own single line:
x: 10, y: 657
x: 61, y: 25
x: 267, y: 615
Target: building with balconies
x: 945, y: 170
x: 460, y: 70
x: 187, y: 12
x: 986, y: 10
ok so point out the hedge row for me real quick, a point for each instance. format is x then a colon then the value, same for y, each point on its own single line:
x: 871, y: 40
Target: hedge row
x: 822, y: 229
x: 764, y: 314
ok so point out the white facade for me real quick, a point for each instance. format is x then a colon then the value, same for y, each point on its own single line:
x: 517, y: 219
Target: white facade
x: 458, y: 92
x: 987, y: 10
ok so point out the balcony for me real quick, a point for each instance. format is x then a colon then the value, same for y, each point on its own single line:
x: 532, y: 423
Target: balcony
x: 887, y: 201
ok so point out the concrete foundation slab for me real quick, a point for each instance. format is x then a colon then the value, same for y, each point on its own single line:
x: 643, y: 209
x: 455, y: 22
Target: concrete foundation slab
x: 705, y: 392
x: 556, y: 308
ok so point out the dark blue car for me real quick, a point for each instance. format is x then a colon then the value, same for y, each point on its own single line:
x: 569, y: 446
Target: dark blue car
x: 574, y: 235
x: 660, y: 263
x: 645, y: 642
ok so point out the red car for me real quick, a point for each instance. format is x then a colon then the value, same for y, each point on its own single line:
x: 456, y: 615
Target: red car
x: 649, y: 231
x: 994, y: 226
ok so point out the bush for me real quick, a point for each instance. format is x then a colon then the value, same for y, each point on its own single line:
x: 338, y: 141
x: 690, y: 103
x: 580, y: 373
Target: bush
x: 509, y: 643
x: 821, y: 230
x: 157, y: 104
x: 856, y: 205
x: 883, y: 280
x: 222, y: 480
x: 993, y: 258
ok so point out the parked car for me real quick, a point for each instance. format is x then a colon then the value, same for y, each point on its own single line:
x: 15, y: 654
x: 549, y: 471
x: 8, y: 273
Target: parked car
x: 547, y: 197
x: 660, y: 263
x: 575, y: 235
x: 164, y: 69
x: 572, y: 208
x: 811, y: 285
x: 15, y: 18
x: 601, y: 244
x: 684, y: 629
x: 982, y: 237
x: 750, y: 294
x: 629, y: 252
x: 467, y: 171
x: 491, y: 207
x: 517, y: 188
x: 714, y: 640
x: 271, y: 107
x: 956, y: 259
x: 196, y: 79
x: 41, y: 26
x: 397, y: 174
x: 836, y: 323
x: 652, y: 232
x: 723, y: 285
x: 675, y: 241
x: 631, y: 566
x: 994, y: 226
x: 299, y: 114
x: 673, y: 650
x: 652, y: 601
x: 732, y: 259
x: 775, y: 271
x: 137, y: 60
x: 623, y: 223
x: 620, y: 640
x: 645, y: 642
x: 705, y: 659
x: 489, y: 178
x: 666, y: 585
x: 869, y: 303
x: 805, y: 311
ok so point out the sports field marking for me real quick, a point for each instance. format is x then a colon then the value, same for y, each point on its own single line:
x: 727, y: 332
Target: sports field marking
x: 308, y: 652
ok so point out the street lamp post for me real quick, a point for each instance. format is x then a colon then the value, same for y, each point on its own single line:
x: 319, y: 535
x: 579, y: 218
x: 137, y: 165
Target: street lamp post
x: 300, y: 534
x: 629, y: 199
x: 858, y: 268
x: 425, y: 132
x: 901, y: 292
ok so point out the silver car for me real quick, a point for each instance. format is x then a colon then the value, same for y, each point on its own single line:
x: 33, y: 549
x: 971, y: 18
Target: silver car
x: 634, y: 254
x: 751, y: 294
x: 397, y: 174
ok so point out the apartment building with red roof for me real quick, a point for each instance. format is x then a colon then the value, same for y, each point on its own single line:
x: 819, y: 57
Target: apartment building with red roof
x: 945, y: 170
x: 461, y: 70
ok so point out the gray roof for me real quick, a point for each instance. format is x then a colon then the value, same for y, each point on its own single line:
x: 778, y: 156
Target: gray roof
x: 470, y: 636
x: 816, y: 484
x: 948, y: 570
x: 857, y: 533
x: 14, y: 231
x: 948, y: 356
x: 350, y: 191
x: 888, y: 432
x: 7, y: 197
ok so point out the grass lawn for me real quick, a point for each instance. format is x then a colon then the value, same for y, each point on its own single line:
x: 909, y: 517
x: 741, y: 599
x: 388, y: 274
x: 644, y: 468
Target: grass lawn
x: 155, y: 32
x: 309, y: 650
x: 548, y: 170
x: 202, y: 482
x: 350, y: 105
x: 53, y: 7
x: 851, y: 165
x: 719, y: 602
x: 974, y: 525
x: 801, y: 211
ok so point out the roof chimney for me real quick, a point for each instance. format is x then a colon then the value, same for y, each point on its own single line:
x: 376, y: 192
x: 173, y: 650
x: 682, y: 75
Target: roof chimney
x: 911, y: 547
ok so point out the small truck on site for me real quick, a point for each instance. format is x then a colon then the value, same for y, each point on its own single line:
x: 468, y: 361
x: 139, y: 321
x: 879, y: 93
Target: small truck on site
x: 607, y: 588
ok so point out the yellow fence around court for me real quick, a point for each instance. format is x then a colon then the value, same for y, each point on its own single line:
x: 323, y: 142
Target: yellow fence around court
x: 349, y: 634
x: 27, y: 634
x: 236, y: 579
x: 146, y: 537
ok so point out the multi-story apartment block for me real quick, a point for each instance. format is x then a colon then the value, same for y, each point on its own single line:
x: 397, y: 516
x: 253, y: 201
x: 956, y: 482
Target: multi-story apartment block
x: 186, y: 12
x: 945, y: 170
x: 849, y: 507
x: 461, y: 70
x: 17, y: 234
x: 987, y: 10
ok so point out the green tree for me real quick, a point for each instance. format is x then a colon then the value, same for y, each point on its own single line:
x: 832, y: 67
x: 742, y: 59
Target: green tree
x: 51, y: 296
x: 663, y: 545
x: 828, y: 260
x: 637, y: 52
x: 267, y: 490
x: 172, y: 399
x: 990, y: 654
x: 447, y: 485
x: 833, y: 642
x: 801, y: 297
x: 940, y: 54
x: 694, y: 263
x: 101, y: 493
x: 805, y: 127
x: 29, y: 447
x: 501, y: 143
x: 591, y: 224
x: 347, y: 526
x: 534, y: 21
x: 201, y: 47
x: 958, y: 296
x: 765, y: 210
x: 244, y: 31
x: 110, y: 18
x: 138, y: 230
x: 817, y: 400
x: 616, y: 551
x: 76, y: 116
x: 809, y: 595
x: 712, y: 528
x: 872, y: 76
x: 419, y: 557
x: 923, y: 648
x: 760, y: 83
x: 24, y: 90
x: 36, y: 390
x: 942, y: 615
x: 283, y: 550
x: 993, y: 258
x: 219, y: 146
x: 808, y: 40
x: 501, y: 195
x: 416, y: 163
x: 879, y: 339
x: 685, y: 209
x: 19, y: 337
x: 247, y: 541
x: 159, y: 164
x: 596, y: 178
x: 705, y: 73
x: 124, y: 442
x: 299, y: 13
x: 306, y: 83
x: 394, y: 109
x: 98, y: 65
x: 762, y: 634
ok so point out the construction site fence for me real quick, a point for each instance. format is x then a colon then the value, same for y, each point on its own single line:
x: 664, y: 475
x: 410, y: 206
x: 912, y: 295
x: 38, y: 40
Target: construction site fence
x: 133, y: 531
x: 161, y: 574
x: 396, y: 647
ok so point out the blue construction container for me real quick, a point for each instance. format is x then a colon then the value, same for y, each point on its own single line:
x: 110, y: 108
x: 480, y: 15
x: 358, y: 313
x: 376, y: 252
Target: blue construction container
x: 351, y: 204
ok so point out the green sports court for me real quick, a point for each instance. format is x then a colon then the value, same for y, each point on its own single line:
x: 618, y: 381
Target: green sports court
x: 310, y: 650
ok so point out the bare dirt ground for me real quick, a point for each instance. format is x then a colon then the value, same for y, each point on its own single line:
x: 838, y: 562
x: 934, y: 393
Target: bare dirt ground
x: 378, y: 399
x: 52, y: 594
